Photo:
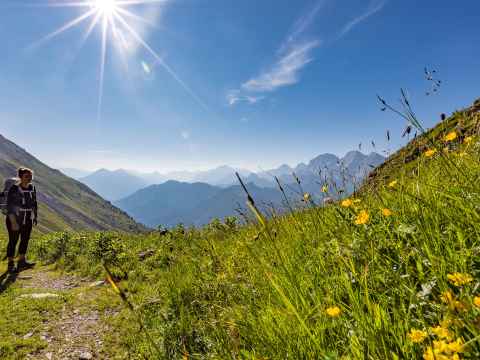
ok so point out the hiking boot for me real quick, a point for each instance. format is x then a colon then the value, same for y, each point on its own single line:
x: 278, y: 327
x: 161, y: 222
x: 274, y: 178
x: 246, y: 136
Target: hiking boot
x: 11, y: 267
x: 24, y: 265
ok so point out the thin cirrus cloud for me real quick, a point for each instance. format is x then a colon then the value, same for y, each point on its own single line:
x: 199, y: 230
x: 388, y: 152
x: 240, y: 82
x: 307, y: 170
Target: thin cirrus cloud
x: 235, y: 96
x: 374, y: 7
x: 285, y: 71
x: 293, y: 55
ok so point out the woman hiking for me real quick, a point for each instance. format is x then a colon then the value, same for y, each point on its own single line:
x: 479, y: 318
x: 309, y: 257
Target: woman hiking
x: 21, y: 216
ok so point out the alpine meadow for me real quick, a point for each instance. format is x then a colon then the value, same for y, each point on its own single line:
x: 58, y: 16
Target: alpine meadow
x: 239, y: 180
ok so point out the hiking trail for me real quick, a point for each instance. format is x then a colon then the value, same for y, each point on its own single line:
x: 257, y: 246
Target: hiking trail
x: 66, y: 315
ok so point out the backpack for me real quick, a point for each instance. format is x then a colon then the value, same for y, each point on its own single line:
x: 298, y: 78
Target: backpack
x: 7, y: 184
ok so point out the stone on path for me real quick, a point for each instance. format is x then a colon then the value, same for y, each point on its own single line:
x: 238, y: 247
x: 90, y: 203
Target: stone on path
x: 24, y: 277
x: 40, y: 296
x: 97, y: 283
x: 85, y: 356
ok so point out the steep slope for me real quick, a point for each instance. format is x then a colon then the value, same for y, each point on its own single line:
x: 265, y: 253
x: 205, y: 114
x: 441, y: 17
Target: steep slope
x: 64, y: 203
x: 168, y: 203
x: 114, y: 185
x: 226, y: 202
x: 465, y: 123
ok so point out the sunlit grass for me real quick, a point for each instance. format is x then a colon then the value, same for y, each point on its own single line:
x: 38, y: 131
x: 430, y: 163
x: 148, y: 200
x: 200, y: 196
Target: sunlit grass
x: 392, y: 272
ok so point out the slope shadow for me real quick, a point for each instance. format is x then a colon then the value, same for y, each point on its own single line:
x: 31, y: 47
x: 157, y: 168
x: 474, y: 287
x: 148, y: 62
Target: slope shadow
x: 7, y: 279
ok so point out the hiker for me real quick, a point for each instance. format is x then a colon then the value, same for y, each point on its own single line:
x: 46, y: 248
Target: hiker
x: 21, y: 211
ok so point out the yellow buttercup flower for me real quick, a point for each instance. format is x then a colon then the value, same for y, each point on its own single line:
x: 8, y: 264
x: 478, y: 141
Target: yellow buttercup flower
x: 441, y: 332
x: 333, y: 311
x: 417, y: 336
x: 362, y: 218
x: 347, y: 203
x: 392, y: 184
x: 476, y: 301
x: 440, y: 346
x: 468, y: 139
x: 450, y: 136
x: 306, y: 197
x: 432, y: 354
x: 325, y: 188
x: 356, y: 201
x: 447, y: 297
x: 387, y: 212
x: 455, y: 346
x: 459, y: 279
x: 430, y: 152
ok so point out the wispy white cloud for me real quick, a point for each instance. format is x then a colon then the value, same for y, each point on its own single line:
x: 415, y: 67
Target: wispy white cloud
x: 285, y: 71
x: 291, y: 57
x: 235, y: 96
x: 301, y: 26
x: 374, y: 7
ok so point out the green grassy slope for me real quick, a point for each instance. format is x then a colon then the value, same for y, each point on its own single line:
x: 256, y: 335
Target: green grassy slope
x: 65, y: 204
x: 392, y: 273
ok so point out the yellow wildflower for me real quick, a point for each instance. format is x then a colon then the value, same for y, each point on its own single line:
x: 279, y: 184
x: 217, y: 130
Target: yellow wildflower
x: 325, y: 188
x: 450, y: 136
x: 362, y: 218
x: 455, y: 346
x: 430, y: 152
x: 476, y: 301
x: 440, y: 346
x: 347, y: 203
x: 441, y: 332
x: 468, y: 139
x: 392, y: 183
x: 356, y: 201
x: 333, y: 311
x: 432, y: 354
x: 417, y: 336
x: 306, y: 197
x: 459, y: 279
x: 447, y: 297
x: 387, y: 212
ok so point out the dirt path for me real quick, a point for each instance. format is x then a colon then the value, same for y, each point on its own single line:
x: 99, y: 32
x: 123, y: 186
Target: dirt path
x: 78, y: 328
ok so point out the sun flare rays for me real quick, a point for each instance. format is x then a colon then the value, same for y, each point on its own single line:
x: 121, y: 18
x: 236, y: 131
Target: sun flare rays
x: 112, y: 18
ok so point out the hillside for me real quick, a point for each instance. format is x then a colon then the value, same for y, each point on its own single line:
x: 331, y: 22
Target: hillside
x: 64, y: 203
x: 166, y: 204
x: 465, y: 123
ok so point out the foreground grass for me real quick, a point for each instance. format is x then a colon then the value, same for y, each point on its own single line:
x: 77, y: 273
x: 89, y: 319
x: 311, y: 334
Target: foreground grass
x: 394, y: 273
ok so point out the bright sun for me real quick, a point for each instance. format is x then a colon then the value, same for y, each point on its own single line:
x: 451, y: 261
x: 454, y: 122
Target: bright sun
x: 117, y: 24
x: 107, y: 7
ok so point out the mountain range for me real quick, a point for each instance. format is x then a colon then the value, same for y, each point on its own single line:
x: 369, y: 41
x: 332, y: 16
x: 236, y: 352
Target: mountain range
x: 64, y: 203
x: 197, y: 203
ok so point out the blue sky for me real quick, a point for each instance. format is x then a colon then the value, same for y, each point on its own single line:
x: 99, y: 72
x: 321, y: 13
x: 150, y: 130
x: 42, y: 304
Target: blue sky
x: 250, y: 83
